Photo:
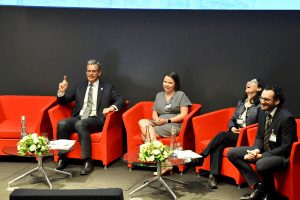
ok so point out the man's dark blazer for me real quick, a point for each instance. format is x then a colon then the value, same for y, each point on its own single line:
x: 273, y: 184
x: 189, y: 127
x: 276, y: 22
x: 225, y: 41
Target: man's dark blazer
x: 284, y: 127
x: 107, y: 96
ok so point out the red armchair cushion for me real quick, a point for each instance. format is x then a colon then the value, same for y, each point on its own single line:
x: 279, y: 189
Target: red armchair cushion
x: 137, y: 139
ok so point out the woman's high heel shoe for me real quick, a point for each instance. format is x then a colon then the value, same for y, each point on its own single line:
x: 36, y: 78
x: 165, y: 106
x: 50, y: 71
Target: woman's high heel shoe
x: 165, y: 170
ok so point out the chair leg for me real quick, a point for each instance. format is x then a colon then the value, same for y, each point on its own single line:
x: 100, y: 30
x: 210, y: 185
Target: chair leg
x: 239, y: 186
x: 105, y: 166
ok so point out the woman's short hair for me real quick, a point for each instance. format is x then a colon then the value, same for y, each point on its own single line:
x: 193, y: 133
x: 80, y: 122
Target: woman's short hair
x: 175, y: 77
x: 93, y: 62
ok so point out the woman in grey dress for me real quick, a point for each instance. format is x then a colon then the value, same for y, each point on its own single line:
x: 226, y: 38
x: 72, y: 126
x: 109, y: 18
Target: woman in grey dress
x: 170, y: 108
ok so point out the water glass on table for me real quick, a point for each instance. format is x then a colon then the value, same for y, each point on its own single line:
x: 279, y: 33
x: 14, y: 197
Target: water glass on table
x: 45, y: 135
x: 179, y: 146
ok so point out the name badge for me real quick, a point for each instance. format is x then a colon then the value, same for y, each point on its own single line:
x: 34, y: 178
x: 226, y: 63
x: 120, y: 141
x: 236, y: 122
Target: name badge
x: 239, y: 121
x: 168, y: 106
x: 272, y: 136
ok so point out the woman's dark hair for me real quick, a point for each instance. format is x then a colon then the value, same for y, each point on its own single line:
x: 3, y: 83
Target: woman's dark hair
x: 255, y: 100
x: 278, y: 93
x: 175, y: 77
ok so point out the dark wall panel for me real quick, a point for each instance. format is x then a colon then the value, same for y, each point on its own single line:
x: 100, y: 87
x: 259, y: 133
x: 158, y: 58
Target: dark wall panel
x: 214, y: 52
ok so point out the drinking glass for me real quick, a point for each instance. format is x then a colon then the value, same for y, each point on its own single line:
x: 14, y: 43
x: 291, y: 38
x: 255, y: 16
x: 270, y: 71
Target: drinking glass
x: 45, y: 135
x: 179, y: 146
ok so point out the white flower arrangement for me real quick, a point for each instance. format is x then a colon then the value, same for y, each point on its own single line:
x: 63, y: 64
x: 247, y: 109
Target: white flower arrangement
x: 154, y: 151
x: 33, y: 144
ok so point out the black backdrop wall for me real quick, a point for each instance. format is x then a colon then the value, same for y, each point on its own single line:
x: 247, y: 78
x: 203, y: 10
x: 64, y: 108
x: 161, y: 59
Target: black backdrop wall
x: 214, y: 52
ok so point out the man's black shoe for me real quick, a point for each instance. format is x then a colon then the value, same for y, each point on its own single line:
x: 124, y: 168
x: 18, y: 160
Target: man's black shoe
x: 255, y: 195
x: 212, y: 183
x: 199, y: 161
x: 87, y: 168
x: 268, y: 197
x: 62, y: 163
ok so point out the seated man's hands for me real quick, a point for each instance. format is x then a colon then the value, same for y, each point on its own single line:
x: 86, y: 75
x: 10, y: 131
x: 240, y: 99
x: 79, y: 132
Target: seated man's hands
x: 108, y: 110
x: 253, y: 155
x: 235, y: 130
x: 63, y: 86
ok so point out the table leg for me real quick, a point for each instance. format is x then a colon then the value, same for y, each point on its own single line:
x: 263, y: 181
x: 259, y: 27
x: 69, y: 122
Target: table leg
x: 166, y: 186
x: 169, y: 179
x: 161, y: 180
x: 35, y: 169
x: 58, y: 171
x: 40, y: 168
x: 46, y: 177
x: 143, y: 186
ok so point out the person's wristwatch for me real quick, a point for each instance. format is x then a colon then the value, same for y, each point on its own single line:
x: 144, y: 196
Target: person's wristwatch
x: 169, y: 120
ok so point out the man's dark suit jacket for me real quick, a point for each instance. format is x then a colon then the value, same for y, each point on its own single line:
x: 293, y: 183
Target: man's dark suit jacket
x: 285, y: 129
x: 107, y: 96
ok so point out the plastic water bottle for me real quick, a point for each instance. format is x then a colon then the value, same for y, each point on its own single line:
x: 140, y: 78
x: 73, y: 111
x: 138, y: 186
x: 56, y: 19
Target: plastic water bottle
x: 23, y: 128
x: 173, y: 144
x: 147, y: 139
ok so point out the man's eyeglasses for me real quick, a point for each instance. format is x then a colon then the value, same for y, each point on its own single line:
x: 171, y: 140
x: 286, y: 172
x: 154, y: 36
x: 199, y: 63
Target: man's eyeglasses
x: 265, y: 99
x: 92, y: 71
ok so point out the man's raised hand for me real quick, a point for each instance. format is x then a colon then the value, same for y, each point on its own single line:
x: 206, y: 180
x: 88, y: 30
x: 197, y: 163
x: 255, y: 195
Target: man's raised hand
x: 63, y: 85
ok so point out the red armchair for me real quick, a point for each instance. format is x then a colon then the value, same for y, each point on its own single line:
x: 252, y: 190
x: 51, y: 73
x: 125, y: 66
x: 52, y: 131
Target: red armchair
x: 206, y: 127
x: 143, y: 110
x: 287, y: 183
x: 107, y: 145
x: 34, y: 108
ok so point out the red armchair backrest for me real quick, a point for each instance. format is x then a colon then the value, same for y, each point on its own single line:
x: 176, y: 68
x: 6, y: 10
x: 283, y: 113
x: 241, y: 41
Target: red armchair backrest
x: 187, y: 125
x: 58, y: 113
x: 206, y: 126
x: 141, y: 110
x: 251, y: 134
x: 12, y: 107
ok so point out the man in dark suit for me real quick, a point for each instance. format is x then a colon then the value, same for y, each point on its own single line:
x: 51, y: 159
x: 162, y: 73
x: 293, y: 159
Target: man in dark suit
x: 93, y: 101
x: 271, y: 151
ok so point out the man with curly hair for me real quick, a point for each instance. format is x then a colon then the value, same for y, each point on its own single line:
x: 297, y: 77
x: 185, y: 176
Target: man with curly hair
x: 270, y: 153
